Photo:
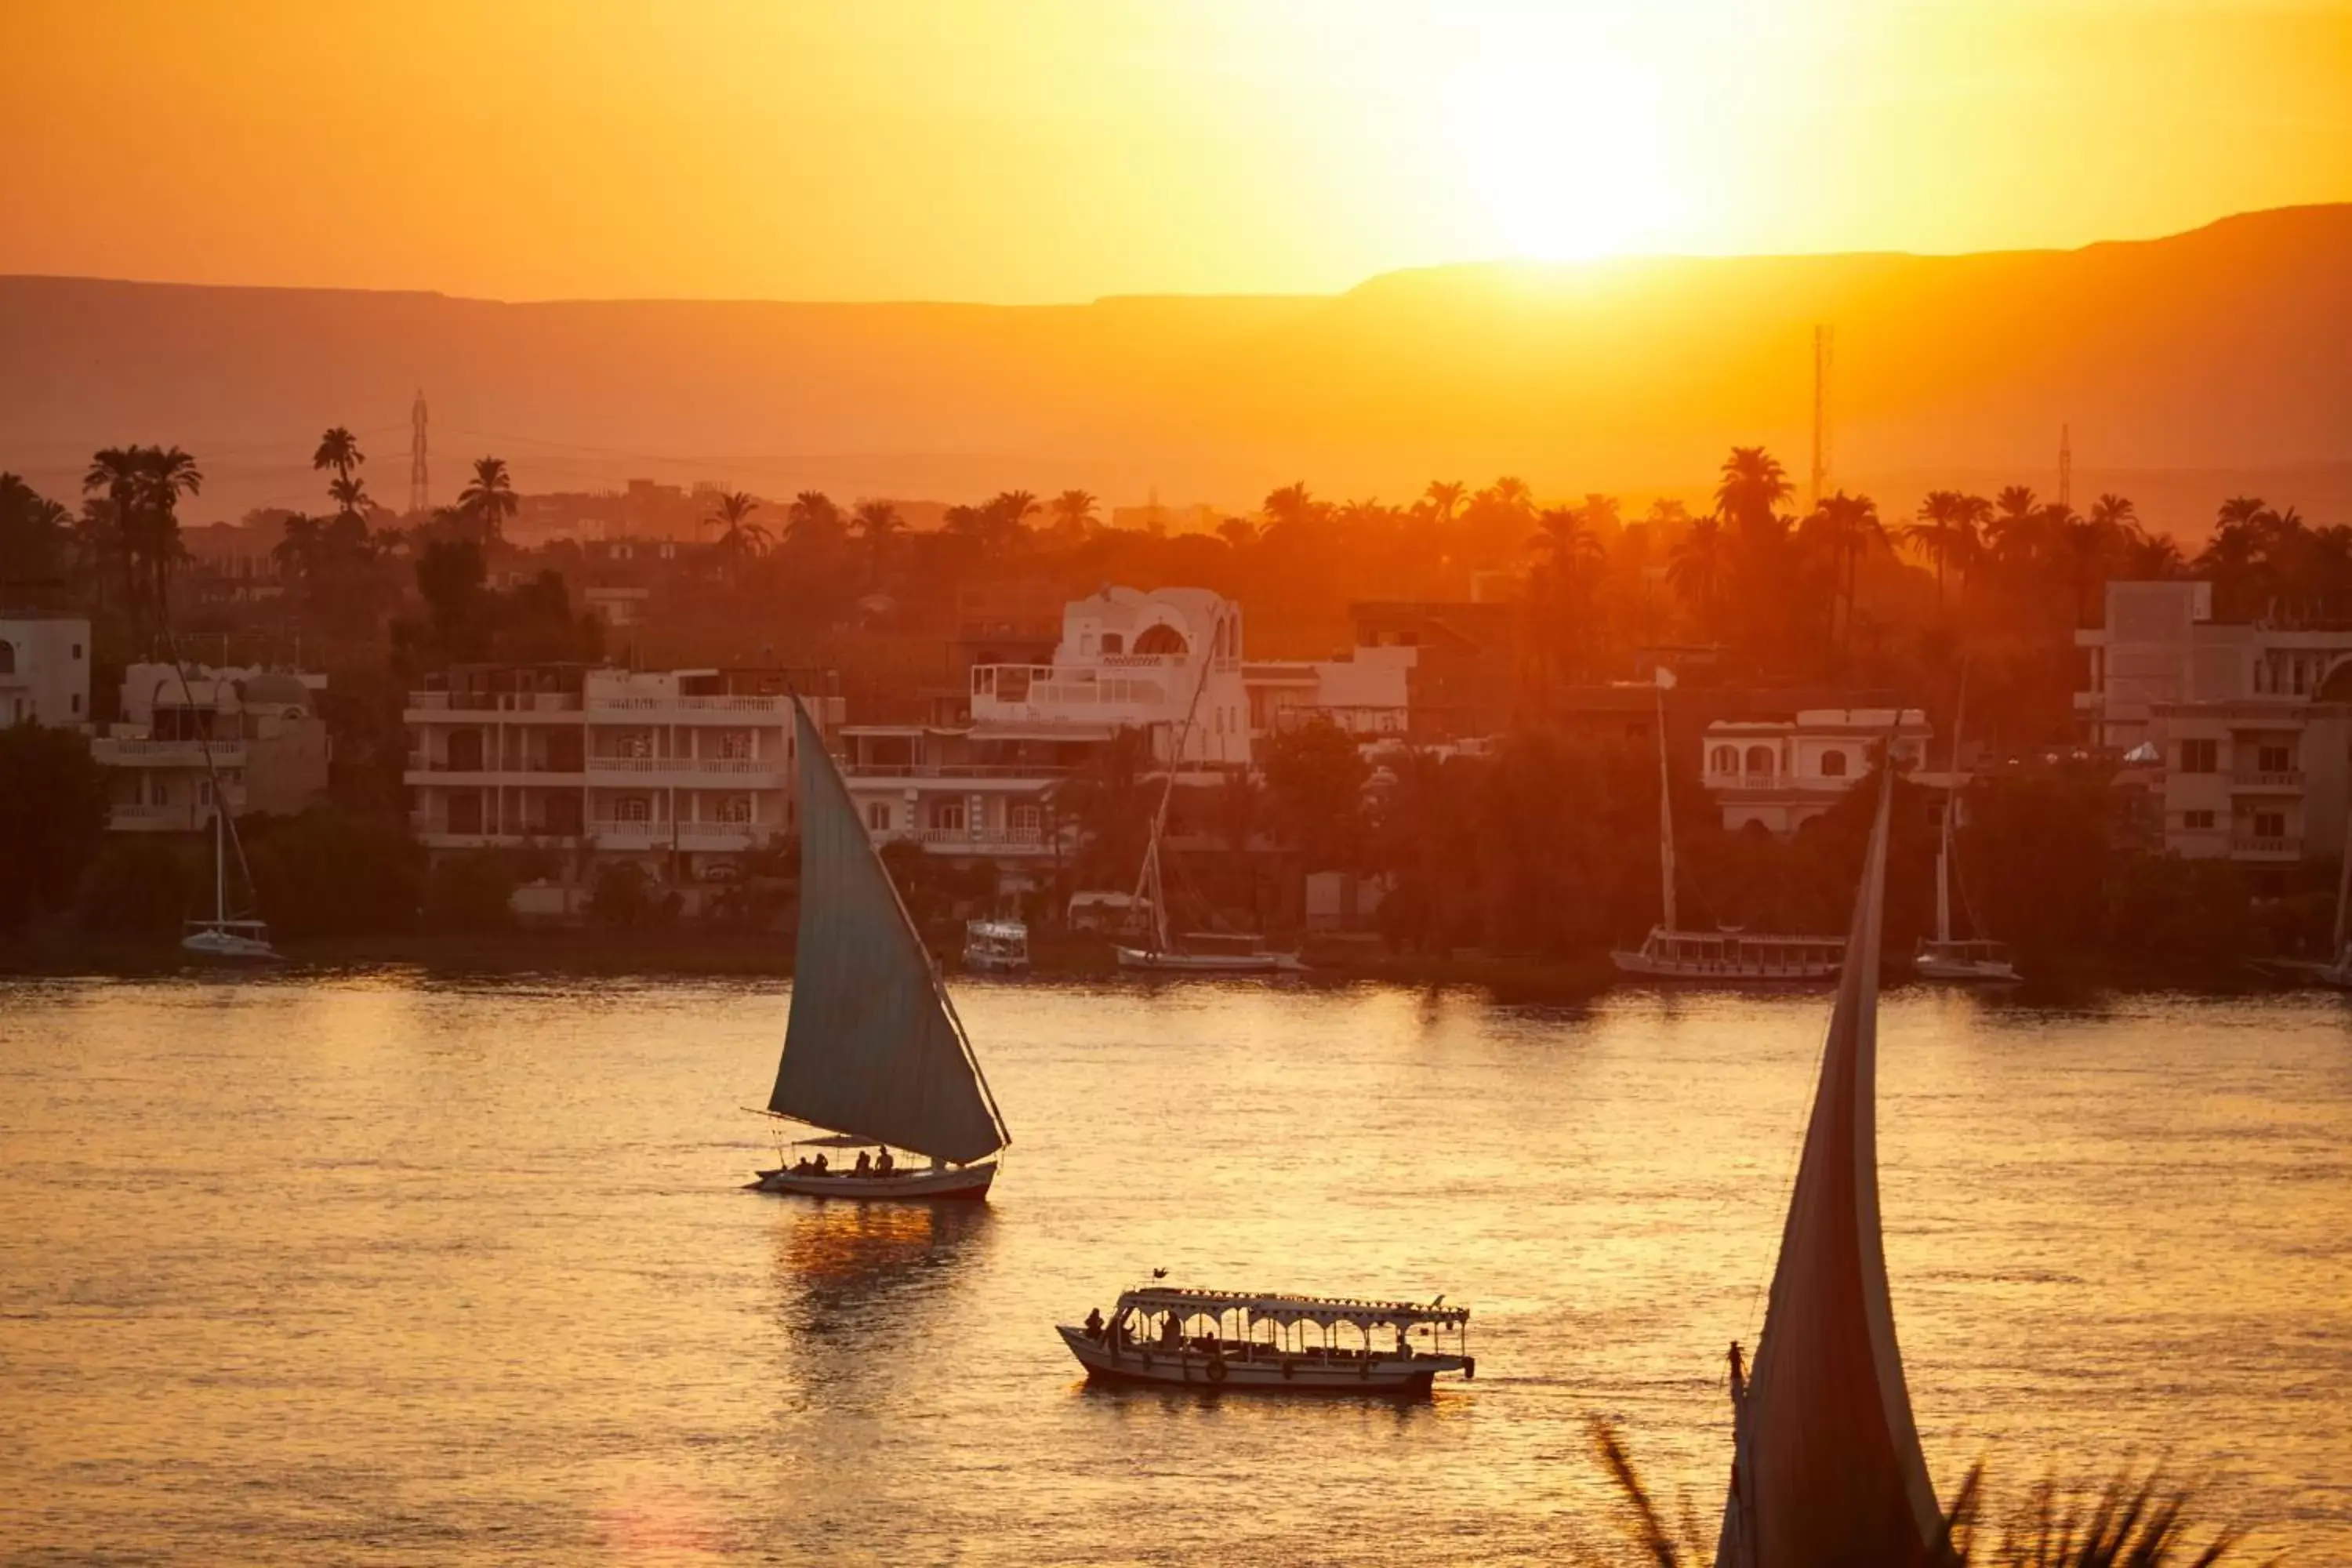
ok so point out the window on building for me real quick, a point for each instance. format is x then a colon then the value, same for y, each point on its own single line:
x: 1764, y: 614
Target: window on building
x: 1114, y: 643
x: 1833, y: 765
x: 878, y: 817
x: 946, y: 815
x: 736, y: 808
x: 633, y: 808
x: 1759, y: 762
x: 76, y: 700
x: 1162, y: 638
x: 1028, y: 823
x: 1723, y: 759
x: 735, y: 744
x: 2200, y: 756
x: 77, y: 652
x: 2270, y: 825
x: 7, y: 659
x: 2272, y: 760
x: 2197, y: 821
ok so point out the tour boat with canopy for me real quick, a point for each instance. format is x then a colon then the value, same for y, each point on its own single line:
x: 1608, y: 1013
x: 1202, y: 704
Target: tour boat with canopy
x: 1244, y: 1339
x: 1717, y: 957
x: 996, y: 947
x: 1826, y: 1465
x: 1943, y: 956
x: 874, y: 1053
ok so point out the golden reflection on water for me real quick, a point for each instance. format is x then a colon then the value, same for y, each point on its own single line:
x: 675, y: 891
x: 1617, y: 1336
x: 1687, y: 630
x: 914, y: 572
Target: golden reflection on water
x: 315, y: 1268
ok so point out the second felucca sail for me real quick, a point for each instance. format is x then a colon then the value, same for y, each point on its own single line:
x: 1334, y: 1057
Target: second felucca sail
x: 1827, y: 1470
x: 874, y: 1052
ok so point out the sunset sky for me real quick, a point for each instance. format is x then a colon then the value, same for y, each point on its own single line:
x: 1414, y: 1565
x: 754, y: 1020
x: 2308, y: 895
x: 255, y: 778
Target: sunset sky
x: 1036, y: 150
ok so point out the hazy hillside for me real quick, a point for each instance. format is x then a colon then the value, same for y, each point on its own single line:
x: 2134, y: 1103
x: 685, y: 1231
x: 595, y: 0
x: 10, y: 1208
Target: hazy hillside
x: 2188, y: 367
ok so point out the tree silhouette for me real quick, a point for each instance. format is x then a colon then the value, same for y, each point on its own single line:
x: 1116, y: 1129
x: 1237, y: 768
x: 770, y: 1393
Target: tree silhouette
x: 488, y: 500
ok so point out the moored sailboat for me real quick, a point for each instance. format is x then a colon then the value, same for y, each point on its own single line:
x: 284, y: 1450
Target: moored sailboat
x: 224, y: 935
x: 1717, y: 957
x: 1826, y: 1465
x: 1943, y: 956
x: 874, y: 1052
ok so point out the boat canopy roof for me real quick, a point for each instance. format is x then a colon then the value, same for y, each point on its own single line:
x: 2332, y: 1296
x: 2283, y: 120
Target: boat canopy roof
x: 1292, y: 1308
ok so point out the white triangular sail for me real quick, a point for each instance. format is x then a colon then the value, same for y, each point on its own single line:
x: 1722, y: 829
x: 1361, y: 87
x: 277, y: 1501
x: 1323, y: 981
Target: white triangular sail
x: 1828, y: 1469
x: 873, y: 1047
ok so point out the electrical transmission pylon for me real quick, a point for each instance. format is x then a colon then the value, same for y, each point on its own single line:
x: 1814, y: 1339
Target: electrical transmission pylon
x: 420, y: 480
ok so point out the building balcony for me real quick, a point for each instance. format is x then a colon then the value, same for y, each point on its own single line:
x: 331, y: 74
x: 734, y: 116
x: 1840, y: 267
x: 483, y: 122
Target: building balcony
x: 1038, y: 774
x: 437, y: 704
x: 1778, y: 783
x: 610, y: 834
x: 490, y: 770
x: 751, y: 772
x: 113, y: 753
x: 2243, y: 846
x: 2253, y: 781
x: 992, y: 841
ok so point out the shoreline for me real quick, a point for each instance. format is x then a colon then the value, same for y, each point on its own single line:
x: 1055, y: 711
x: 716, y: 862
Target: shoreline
x: 763, y: 955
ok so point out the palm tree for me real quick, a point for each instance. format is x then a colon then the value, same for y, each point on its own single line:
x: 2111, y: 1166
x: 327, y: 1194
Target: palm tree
x: 1752, y: 490
x: 349, y: 496
x: 1700, y: 566
x: 338, y: 449
x: 1946, y: 531
x: 115, y: 475
x: 1442, y: 496
x: 488, y: 500
x: 1847, y: 524
x: 738, y: 537
x: 165, y: 474
x: 298, y: 553
x: 1074, y: 516
x: 2152, y: 556
x: 1238, y: 532
x: 1293, y: 506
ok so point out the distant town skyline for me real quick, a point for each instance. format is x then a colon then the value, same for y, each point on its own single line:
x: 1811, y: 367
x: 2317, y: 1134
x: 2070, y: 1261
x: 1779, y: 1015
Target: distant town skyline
x: 1065, y: 150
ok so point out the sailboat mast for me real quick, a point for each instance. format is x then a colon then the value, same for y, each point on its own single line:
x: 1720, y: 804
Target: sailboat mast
x: 1665, y: 819
x: 1148, y: 885
x: 1951, y: 809
x: 220, y: 862
x: 2344, y: 893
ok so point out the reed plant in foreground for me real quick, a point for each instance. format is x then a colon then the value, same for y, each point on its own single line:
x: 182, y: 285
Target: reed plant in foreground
x: 2129, y: 1523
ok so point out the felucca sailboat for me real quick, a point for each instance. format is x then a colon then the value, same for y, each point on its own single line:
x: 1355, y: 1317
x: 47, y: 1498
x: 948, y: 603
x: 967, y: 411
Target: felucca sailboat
x: 1715, y: 957
x: 875, y: 1056
x: 1826, y: 1466
x: 1945, y: 958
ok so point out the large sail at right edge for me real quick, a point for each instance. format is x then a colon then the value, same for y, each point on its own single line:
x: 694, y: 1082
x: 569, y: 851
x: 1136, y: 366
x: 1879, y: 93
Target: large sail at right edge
x: 1827, y: 1470
x: 870, y: 1049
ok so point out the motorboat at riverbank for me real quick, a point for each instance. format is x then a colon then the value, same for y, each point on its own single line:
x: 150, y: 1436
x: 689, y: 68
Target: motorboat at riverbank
x: 1250, y: 1342
x: 874, y: 1053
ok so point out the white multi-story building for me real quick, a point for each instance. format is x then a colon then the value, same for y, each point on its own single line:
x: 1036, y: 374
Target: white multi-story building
x: 1367, y: 694
x: 1780, y: 775
x: 680, y: 770
x: 45, y: 671
x: 190, y: 740
x: 2250, y: 724
x: 1127, y: 660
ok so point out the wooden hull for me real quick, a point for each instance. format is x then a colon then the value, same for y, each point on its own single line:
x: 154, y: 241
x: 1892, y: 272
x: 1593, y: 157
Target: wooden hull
x: 920, y: 1184
x: 1208, y: 963
x: 229, y: 947
x: 994, y: 963
x: 1387, y: 1376
x: 1965, y: 972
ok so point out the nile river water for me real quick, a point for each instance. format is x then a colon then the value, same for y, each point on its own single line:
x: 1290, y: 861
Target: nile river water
x: 377, y: 1268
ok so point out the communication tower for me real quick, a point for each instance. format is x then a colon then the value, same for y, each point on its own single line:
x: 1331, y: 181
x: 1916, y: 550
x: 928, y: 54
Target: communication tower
x: 420, y: 482
x: 1821, y: 351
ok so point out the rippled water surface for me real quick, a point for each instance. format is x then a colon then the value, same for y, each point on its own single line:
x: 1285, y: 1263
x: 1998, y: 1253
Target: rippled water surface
x: 372, y: 1267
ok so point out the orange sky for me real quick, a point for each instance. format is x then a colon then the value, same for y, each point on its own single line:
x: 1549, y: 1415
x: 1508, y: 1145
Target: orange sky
x: 1029, y: 150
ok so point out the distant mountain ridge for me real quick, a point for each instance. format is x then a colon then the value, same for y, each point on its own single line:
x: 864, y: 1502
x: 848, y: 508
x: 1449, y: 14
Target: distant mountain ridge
x: 2202, y: 362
